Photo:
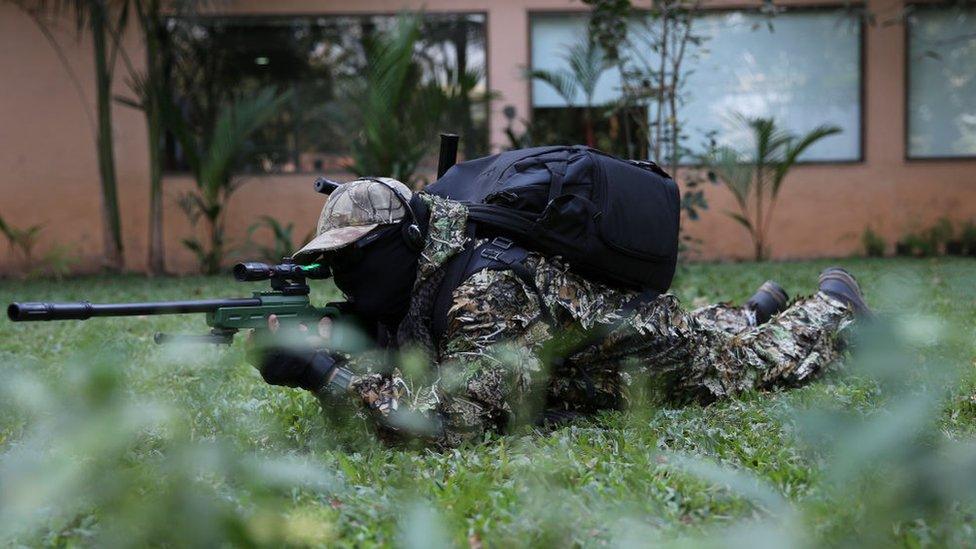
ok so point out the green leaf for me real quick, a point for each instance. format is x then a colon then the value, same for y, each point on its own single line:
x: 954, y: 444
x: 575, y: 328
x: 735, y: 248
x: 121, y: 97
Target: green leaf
x: 129, y: 102
x: 4, y: 228
x: 794, y: 148
x: 728, y: 166
x: 194, y: 246
x: 587, y: 63
x: 743, y: 220
x: 396, y: 111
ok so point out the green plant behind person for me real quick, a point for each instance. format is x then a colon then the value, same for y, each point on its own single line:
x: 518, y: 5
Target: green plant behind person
x: 874, y: 244
x: 56, y: 262
x: 22, y: 241
x: 755, y: 177
x: 968, y: 237
x: 938, y: 235
x: 152, y: 90
x: 395, y: 111
x: 104, y: 22
x: 283, y: 244
x: 929, y: 242
x: 587, y: 63
x: 213, y: 157
x: 917, y: 245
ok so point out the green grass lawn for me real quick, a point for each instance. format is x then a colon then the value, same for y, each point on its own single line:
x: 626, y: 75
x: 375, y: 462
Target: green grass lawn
x: 110, y: 439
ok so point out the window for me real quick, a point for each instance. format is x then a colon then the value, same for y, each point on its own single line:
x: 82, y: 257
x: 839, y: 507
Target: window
x: 313, y: 56
x: 552, y: 37
x: 613, y: 132
x: 941, y: 82
x: 747, y: 64
x: 803, y: 71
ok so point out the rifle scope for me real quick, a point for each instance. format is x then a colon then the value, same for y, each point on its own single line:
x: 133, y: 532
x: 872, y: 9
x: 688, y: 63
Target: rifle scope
x: 254, y: 271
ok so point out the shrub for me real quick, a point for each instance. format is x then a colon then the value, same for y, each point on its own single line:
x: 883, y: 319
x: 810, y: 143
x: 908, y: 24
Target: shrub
x: 22, y: 241
x: 214, y: 156
x: 919, y: 245
x: 56, y: 262
x: 928, y: 242
x: 756, y: 176
x: 939, y: 234
x: 968, y: 237
x: 874, y: 244
x: 283, y: 244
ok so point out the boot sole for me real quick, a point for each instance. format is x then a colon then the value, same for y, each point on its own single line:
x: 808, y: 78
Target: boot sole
x: 841, y: 275
x: 777, y: 292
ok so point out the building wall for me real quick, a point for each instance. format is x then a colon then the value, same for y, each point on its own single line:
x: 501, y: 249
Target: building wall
x: 50, y: 175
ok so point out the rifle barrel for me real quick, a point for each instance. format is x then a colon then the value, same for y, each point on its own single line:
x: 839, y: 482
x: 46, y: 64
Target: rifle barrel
x: 83, y: 310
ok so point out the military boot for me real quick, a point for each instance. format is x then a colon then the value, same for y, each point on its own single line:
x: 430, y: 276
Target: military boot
x: 841, y: 285
x: 770, y: 299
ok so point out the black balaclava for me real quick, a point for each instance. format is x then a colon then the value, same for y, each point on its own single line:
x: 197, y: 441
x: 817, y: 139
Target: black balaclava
x: 378, y: 275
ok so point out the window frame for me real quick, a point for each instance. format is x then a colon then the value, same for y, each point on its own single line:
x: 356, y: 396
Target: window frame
x: 852, y: 7
x: 914, y: 7
x: 257, y: 15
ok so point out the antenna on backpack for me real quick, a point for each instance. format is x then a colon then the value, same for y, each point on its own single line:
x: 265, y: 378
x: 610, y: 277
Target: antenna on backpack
x: 325, y: 186
x: 448, y: 153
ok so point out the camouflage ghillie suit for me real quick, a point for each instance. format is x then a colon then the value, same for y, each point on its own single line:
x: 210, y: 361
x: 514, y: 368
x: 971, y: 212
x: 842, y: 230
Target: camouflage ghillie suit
x: 503, y: 355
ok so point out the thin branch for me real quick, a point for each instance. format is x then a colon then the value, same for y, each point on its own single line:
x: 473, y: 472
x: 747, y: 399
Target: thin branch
x: 119, y: 49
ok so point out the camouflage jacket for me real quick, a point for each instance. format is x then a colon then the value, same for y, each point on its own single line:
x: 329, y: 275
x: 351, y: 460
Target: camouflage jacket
x: 511, y: 350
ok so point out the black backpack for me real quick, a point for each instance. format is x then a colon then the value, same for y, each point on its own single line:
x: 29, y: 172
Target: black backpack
x: 612, y: 220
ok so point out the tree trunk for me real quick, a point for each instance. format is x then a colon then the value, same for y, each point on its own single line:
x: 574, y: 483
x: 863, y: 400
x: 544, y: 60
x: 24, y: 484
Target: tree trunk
x: 661, y: 101
x: 112, y: 226
x: 469, y: 144
x: 758, y: 224
x: 154, y: 88
x: 215, y: 253
x: 157, y: 257
x: 588, y: 127
x: 673, y: 84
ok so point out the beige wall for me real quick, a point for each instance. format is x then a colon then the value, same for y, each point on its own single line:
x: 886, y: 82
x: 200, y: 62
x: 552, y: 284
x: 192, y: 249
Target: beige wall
x: 48, y: 171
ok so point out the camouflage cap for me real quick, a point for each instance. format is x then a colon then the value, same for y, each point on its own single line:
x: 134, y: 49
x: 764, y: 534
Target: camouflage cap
x: 355, y: 209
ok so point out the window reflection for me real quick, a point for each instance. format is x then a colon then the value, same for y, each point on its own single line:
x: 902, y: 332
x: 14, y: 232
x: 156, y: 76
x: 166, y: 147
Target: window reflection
x: 801, y: 68
x: 314, y: 56
x: 942, y: 82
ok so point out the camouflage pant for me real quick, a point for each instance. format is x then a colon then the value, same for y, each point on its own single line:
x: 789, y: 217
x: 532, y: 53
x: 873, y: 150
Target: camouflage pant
x: 726, y: 317
x: 712, y: 352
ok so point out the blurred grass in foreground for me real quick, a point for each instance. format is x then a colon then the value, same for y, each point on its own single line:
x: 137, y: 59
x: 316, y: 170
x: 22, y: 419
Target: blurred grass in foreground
x: 108, y: 439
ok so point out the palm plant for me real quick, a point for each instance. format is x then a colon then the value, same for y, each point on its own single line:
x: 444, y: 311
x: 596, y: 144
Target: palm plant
x: 105, y: 21
x: 758, y: 175
x: 444, y: 54
x: 461, y: 97
x: 587, y: 63
x: 213, y: 157
x: 283, y: 243
x: 152, y: 90
x: 396, y: 110
x: 22, y: 240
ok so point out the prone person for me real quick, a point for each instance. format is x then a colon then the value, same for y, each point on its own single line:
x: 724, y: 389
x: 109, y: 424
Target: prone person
x: 535, y: 340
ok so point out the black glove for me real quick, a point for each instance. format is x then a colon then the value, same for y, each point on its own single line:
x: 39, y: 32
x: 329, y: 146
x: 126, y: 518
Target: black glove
x: 303, y: 368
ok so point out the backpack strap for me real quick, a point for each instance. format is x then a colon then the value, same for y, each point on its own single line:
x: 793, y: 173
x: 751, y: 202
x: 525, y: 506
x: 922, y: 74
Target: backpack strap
x: 557, y: 171
x: 497, y: 254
